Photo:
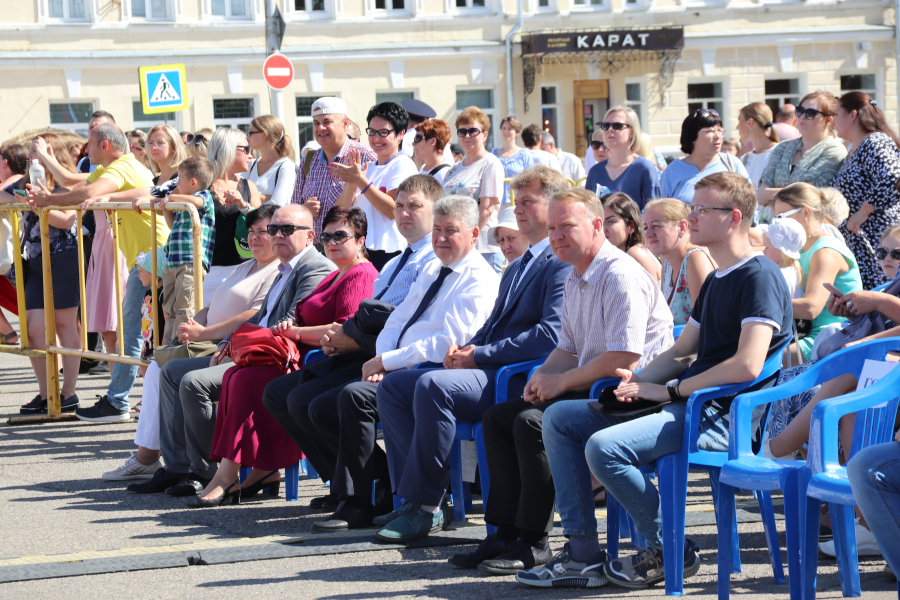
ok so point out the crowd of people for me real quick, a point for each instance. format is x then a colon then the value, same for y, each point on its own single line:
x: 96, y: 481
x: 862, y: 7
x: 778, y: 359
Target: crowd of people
x: 408, y: 272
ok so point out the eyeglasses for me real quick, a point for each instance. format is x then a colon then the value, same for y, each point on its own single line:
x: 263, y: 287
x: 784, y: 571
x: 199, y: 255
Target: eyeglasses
x: 382, y: 133
x: 251, y: 132
x: 197, y: 140
x: 339, y: 237
x: 134, y: 147
x: 614, y: 126
x: 156, y: 144
x: 286, y: 230
x: 713, y: 131
x: 470, y: 132
x: 702, y: 210
x: 882, y: 253
x: 596, y: 145
x: 810, y: 113
x: 244, y: 149
x: 787, y: 214
x: 705, y: 112
x: 419, y: 138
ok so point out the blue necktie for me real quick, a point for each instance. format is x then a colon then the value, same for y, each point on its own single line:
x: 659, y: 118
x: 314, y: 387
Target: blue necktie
x: 426, y: 300
x: 522, y: 265
x: 400, y: 264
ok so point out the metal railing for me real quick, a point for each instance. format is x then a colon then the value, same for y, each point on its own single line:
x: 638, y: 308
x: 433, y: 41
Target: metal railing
x: 53, y: 400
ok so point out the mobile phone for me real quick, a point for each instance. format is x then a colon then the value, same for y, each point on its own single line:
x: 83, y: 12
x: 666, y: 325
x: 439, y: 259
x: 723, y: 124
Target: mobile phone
x: 22, y: 193
x: 837, y: 293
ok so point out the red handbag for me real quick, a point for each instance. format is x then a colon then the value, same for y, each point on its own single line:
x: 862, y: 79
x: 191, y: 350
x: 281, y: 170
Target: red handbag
x: 254, y: 345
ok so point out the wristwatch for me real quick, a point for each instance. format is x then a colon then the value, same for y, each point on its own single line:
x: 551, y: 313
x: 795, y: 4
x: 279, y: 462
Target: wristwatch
x: 672, y: 388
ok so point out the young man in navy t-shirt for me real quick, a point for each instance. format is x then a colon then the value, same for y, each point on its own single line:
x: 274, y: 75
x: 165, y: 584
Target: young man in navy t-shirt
x: 742, y: 316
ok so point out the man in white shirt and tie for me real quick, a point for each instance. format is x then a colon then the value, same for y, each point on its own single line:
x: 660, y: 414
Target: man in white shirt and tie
x: 447, y: 304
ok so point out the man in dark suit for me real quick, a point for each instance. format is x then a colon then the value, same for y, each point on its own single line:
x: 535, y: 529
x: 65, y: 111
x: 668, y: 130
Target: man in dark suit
x: 189, y: 388
x: 419, y: 407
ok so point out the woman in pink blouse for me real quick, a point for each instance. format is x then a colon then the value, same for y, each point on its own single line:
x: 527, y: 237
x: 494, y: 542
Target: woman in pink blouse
x: 246, y: 434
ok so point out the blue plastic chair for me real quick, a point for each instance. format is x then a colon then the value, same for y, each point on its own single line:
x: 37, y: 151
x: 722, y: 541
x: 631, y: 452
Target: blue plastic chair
x: 824, y: 479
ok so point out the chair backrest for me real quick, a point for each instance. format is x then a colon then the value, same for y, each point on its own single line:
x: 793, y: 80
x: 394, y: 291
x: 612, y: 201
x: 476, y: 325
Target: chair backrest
x: 313, y: 355
x: 677, y: 331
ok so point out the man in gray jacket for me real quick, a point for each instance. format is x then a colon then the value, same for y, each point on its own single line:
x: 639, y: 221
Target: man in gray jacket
x: 189, y: 388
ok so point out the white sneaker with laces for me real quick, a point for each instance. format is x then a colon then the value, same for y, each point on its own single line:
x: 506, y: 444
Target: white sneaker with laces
x: 132, y: 469
x: 865, y: 544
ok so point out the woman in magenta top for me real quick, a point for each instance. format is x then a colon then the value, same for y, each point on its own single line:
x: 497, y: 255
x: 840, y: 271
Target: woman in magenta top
x: 246, y: 434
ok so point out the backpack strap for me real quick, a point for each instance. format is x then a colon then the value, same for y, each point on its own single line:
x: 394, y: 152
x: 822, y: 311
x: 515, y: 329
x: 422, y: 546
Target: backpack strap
x: 438, y: 169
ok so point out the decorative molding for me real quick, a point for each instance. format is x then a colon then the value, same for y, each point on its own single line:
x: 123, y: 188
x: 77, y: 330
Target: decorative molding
x: 861, y: 54
x: 316, y: 71
x: 476, y: 66
x: 235, y: 78
x: 396, y: 67
x: 73, y: 82
x: 786, y: 58
x: 708, y: 56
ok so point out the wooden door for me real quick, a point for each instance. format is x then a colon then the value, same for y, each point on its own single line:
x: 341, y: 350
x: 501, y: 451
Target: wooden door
x: 587, y: 90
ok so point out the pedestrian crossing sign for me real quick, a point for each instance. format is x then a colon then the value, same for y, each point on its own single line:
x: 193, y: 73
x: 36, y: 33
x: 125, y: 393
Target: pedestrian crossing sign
x: 163, y: 88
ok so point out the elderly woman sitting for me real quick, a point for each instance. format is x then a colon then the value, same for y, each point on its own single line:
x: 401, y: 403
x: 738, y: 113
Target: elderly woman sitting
x: 506, y: 235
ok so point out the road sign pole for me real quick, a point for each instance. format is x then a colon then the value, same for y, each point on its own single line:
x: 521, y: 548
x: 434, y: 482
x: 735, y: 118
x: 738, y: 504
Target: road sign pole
x: 273, y: 44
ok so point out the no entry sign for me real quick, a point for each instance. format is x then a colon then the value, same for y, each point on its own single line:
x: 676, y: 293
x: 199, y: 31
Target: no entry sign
x: 278, y: 71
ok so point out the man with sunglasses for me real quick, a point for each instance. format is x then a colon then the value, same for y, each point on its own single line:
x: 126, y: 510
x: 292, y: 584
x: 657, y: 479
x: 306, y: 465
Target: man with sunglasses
x: 189, y: 388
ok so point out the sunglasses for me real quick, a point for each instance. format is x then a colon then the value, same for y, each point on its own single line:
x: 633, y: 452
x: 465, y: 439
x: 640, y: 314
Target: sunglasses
x: 810, y: 113
x: 197, y: 140
x: 787, y: 214
x: 614, y: 126
x: 382, y: 133
x: 470, y: 132
x: 882, y: 253
x: 244, y: 149
x: 339, y: 237
x: 596, y: 145
x: 705, y: 112
x: 419, y: 138
x: 286, y: 230
x: 251, y: 132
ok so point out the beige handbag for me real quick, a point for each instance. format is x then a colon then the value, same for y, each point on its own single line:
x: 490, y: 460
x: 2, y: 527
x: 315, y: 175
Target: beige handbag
x: 190, y: 350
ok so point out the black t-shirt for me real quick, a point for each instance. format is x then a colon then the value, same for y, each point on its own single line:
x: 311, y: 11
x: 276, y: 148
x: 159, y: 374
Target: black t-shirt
x: 225, y: 252
x: 752, y: 290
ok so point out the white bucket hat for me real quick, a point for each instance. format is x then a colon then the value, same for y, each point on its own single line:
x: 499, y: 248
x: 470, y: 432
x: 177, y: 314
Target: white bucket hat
x: 788, y: 236
x: 508, y: 220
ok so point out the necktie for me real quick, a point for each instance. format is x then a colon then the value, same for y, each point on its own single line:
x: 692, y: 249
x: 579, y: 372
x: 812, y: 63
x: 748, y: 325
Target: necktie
x: 400, y: 264
x: 522, y: 265
x: 426, y: 300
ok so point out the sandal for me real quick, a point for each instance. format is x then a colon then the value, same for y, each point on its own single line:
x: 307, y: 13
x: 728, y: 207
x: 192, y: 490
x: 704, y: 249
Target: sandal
x: 9, y: 339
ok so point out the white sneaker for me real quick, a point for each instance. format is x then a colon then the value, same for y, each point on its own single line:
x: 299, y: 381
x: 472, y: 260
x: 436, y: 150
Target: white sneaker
x: 865, y: 544
x: 132, y: 469
x: 767, y: 453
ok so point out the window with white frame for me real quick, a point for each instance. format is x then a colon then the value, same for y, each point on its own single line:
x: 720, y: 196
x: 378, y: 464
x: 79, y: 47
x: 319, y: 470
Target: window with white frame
x: 483, y: 99
x: 230, y: 9
x: 387, y: 7
x: 310, y: 8
x: 550, y: 112
x: 397, y: 97
x: 634, y: 99
x: 68, y: 10
x: 235, y: 113
x: 463, y: 4
x: 587, y: 4
x: 303, y: 105
x: 864, y: 82
x: 145, y: 122
x: 544, y: 6
x: 151, y: 10
x: 782, y: 91
x: 706, y: 95
x: 73, y: 116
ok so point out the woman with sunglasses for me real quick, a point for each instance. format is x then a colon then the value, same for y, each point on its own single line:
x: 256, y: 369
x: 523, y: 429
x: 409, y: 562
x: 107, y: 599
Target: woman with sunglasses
x: 868, y: 179
x: 372, y: 187
x: 597, y: 153
x: 625, y: 170
x: 246, y: 434
x: 480, y: 176
x: 702, y: 135
x: 823, y: 259
x: 233, y: 197
x: 513, y: 157
x: 432, y: 136
x: 814, y: 157
x: 274, y: 172
x: 198, y: 143
x: 137, y: 142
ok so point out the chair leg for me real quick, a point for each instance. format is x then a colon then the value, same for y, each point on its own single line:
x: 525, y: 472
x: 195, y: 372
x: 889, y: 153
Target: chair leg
x: 483, y: 472
x: 768, y: 517
x: 735, y: 540
x: 244, y: 472
x: 843, y: 525
x: 456, y: 482
x: 672, y: 470
x: 802, y: 541
x: 311, y: 472
x: 292, y: 482
x: 725, y: 502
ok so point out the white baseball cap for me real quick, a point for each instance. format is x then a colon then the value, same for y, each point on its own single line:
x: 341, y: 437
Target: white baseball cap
x: 788, y: 236
x: 329, y: 106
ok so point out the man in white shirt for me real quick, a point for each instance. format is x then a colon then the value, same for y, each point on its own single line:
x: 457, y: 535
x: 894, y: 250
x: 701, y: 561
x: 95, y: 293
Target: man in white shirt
x: 571, y: 164
x: 419, y: 112
x: 531, y: 137
x: 446, y: 306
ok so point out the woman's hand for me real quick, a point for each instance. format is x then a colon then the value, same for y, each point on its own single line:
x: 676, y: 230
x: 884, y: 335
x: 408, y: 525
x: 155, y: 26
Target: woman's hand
x: 855, y: 222
x: 354, y: 173
x: 190, y: 331
x: 40, y: 147
x: 234, y: 197
x: 314, y: 206
x: 287, y: 330
x: 860, y: 303
x: 837, y: 308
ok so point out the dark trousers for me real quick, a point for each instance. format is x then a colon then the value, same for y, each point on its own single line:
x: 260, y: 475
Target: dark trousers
x: 379, y: 258
x: 289, y: 399
x: 522, y: 492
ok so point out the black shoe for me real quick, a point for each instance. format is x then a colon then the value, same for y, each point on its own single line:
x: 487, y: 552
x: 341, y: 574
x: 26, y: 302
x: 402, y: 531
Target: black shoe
x: 518, y: 556
x: 192, y: 485
x: 69, y: 404
x: 102, y: 368
x: 347, y: 516
x: 37, y: 406
x: 160, y: 482
x: 490, y: 547
x: 227, y: 494
x: 646, y: 567
x: 327, y: 503
x: 253, y: 490
x: 102, y: 412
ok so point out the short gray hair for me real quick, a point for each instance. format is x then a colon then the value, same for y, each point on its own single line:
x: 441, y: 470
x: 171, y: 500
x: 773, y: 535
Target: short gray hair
x: 108, y: 132
x: 463, y: 208
x: 547, y: 138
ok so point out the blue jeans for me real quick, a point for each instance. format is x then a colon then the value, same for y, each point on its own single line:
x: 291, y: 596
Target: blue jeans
x: 875, y: 478
x: 581, y: 441
x: 496, y: 260
x: 123, y: 376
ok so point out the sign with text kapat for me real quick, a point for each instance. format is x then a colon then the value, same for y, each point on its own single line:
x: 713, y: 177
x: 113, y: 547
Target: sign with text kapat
x: 663, y: 38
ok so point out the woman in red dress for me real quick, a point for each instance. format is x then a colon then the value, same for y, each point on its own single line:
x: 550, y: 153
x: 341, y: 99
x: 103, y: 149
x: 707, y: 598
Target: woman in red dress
x: 246, y: 434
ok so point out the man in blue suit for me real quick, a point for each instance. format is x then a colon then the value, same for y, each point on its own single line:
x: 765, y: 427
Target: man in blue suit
x: 419, y: 407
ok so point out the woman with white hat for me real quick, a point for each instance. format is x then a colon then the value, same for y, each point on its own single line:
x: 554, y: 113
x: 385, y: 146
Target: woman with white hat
x: 506, y: 235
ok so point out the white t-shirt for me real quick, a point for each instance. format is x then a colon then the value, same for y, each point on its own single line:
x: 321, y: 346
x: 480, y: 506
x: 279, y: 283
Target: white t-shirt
x: 383, y: 233
x: 545, y: 158
x: 440, y: 175
x: 756, y: 164
x: 793, y: 282
x: 406, y: 146
x: 483, y: 178
x: 277, y: 182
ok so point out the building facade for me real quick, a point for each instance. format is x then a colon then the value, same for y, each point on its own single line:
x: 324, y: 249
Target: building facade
x: 62, y: 59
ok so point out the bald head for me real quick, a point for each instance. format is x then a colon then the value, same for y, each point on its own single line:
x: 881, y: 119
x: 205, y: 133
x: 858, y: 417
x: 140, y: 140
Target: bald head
x: 297, y: 220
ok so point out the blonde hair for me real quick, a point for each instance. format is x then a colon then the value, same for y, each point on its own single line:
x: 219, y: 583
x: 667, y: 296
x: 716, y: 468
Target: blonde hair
x: 60, y: 151
x: 893, y: 232
x: 200, y: 142
x: 633, y: 122
x: 802, y: 194
x: 670, y: 209
x: 834, y: 206
x: 576, y: 195
x: 278, y: 137
x: 222, y: 150
x: 473, y: 114
x: 646, y: 150
x: 761, y: 114
x: 786, y: 262
x: 179, y: 152
x: 550, y: 180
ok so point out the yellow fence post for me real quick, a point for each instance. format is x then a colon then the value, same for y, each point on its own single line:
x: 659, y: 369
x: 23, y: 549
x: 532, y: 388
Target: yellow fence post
x: 154, y: 309
x: 53, y: 403
x: 120, y: 341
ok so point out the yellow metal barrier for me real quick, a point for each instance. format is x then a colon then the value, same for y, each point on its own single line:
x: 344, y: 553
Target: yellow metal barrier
x: 24, y: 348
x: 54, y: 412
